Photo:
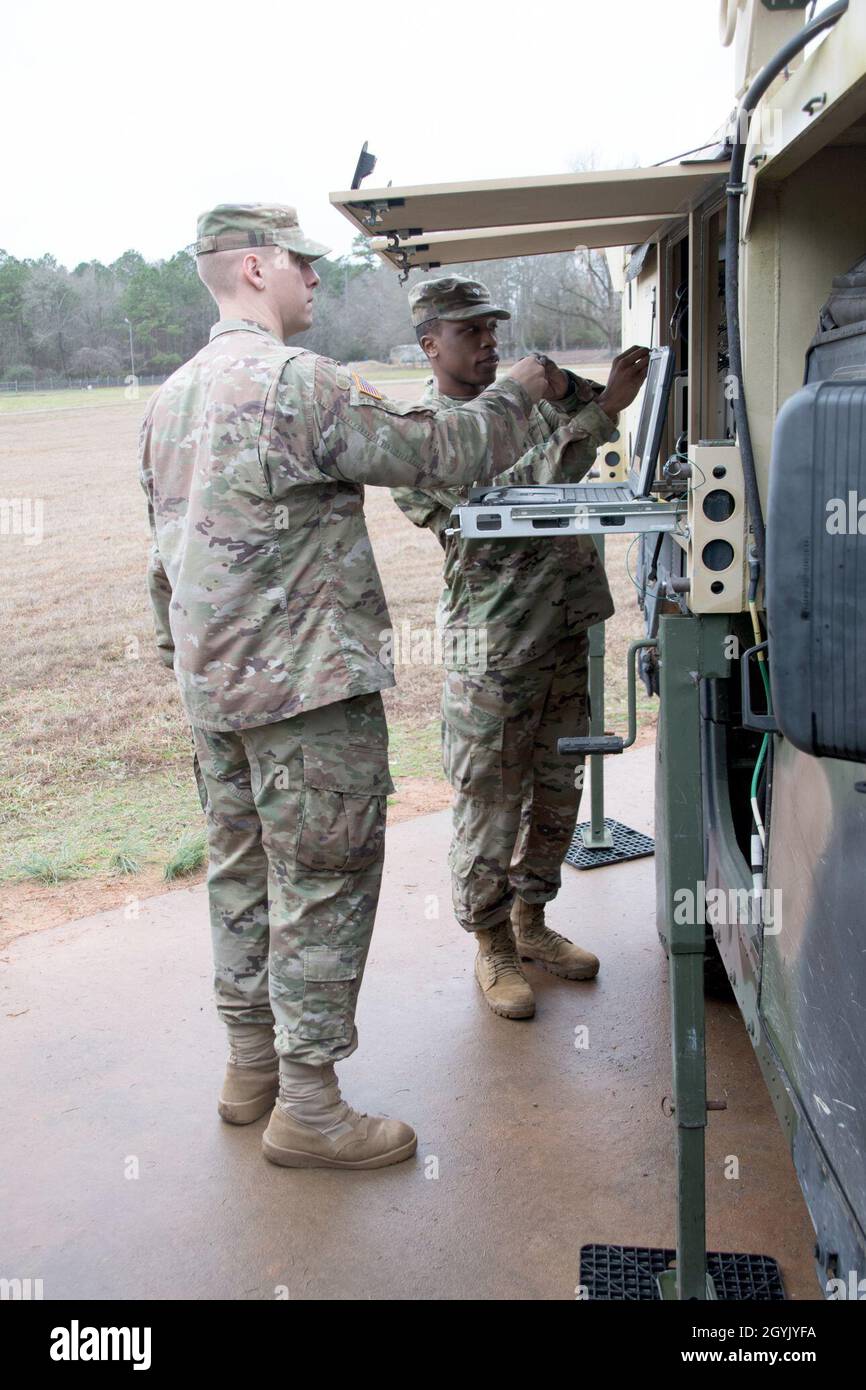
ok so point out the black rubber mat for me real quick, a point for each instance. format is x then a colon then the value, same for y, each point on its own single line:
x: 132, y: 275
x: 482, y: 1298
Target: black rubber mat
x: 627, y: 844
x: 628, y: 1273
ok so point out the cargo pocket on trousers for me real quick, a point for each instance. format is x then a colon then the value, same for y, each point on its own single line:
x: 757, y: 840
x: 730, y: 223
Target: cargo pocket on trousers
x: 461, y: 862
x: 472, y: 754
x: 327, y: 1011
x: 343, y: 810
x: 455, y: 758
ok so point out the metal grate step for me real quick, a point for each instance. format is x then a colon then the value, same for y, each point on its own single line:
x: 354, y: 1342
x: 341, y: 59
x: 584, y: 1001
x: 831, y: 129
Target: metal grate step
x: 628, y: 1273
x: 627, y: 844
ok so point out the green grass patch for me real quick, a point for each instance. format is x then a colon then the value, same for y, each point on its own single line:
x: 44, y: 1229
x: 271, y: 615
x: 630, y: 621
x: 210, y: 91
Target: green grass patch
x: 126, y: 861
x: 102, y: 824
x: 188, y: 856
x: 396, y: 373
x: 113, y: 823
x: 24, y: 402
x: 415, y: 752
x: 616, y: 710
x: 51, y: 868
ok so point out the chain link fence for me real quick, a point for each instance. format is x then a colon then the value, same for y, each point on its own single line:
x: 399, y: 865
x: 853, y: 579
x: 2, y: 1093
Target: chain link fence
x: 82, y: 383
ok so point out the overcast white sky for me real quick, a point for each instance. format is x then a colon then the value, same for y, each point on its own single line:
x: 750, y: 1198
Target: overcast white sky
x: 122, y: 122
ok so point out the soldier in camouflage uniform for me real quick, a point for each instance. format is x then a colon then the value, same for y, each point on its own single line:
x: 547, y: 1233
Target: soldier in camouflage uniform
x: 515, y: 615
x: 269, y: 607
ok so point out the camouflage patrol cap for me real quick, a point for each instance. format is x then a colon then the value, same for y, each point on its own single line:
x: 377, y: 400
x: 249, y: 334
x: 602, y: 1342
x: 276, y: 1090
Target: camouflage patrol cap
x: 452, y: 297
x: 232, y: 226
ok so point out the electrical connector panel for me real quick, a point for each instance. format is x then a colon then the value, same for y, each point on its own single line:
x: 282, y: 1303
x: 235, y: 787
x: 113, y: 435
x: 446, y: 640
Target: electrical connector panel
x: 717, y: 547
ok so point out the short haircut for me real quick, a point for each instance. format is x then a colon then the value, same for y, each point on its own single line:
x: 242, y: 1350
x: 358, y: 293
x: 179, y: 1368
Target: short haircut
x: 219, y: 270
x: 427, y: 327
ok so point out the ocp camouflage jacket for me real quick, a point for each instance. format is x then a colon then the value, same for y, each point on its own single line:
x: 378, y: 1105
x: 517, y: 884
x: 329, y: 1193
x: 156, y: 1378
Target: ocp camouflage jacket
x: 253, y: 456
x: 521, y: 596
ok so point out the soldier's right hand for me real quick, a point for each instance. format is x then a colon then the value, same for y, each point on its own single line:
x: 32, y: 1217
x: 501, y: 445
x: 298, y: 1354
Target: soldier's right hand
x: 531, y: 374
x: 627, y: 375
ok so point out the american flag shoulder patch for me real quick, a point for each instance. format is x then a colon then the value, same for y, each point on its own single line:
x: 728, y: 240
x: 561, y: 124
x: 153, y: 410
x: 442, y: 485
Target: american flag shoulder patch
x: 367, y: 387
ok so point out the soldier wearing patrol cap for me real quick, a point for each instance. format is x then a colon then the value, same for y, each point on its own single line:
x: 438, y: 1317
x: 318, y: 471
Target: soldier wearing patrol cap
x: 269, y: 607
x: 515, y: 617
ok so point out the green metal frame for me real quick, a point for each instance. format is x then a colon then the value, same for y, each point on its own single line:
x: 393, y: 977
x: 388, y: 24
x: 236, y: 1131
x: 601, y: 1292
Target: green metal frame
x: 689, y: 649
x: 678, y: 788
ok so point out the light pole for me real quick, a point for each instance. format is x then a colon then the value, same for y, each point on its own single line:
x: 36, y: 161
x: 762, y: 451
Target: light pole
x: 131, y: 351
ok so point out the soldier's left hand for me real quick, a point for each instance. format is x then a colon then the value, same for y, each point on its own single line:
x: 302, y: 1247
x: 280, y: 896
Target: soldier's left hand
x: 627, y: 375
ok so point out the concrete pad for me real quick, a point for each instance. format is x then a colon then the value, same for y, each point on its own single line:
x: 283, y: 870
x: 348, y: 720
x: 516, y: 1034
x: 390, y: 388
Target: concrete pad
x: 119, y: 1180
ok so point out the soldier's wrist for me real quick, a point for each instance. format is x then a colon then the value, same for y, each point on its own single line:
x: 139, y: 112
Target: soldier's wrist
x: 609, y: 407
x: 598, y: 421
x: 518, y: 390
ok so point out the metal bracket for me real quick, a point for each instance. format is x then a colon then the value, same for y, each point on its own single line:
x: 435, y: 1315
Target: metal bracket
x: 400, y: 254
x: 612, y: 743
x: 375, y: 212
x: 760, y: 723
x: 815, y: 104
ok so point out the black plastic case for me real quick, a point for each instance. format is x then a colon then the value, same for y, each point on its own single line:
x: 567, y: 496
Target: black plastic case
x: 816, y: 569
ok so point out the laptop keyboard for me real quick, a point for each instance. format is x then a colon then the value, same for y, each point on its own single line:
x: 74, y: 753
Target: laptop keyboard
x: 599, y: 492
x: 570, y: 493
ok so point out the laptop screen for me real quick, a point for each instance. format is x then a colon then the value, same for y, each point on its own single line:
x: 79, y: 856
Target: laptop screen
x: 651, y: 421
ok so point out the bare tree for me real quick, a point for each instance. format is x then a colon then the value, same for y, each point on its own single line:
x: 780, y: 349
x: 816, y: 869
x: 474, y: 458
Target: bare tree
x: 588, y: 299
x: 51, y: 305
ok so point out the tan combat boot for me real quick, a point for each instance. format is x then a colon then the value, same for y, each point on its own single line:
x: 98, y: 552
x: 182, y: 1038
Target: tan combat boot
x: 252, y: 1077
x: 547, y: 948
x: 498, y: 972
x: 317, y: 1129
x: 368, y: 1141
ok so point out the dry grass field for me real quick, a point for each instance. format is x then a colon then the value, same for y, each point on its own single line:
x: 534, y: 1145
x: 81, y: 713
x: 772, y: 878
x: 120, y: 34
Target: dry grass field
x: 97, y: 791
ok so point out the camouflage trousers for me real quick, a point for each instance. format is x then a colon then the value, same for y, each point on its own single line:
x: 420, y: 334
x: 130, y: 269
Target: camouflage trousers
x: 516, y: 800
x: 296, y: 836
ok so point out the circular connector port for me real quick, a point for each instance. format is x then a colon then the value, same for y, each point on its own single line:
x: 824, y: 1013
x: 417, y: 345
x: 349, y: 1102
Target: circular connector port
x: 718, y: 505
x: 718, y: 555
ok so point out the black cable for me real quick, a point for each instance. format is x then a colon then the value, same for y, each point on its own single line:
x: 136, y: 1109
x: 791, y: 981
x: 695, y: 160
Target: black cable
x: 653, y: 573
x: 735, y: 191
x: 711, y: 145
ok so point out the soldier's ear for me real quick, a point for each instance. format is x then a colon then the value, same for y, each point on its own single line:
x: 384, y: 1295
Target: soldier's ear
x: 430, y: 345
x: 251, y: 270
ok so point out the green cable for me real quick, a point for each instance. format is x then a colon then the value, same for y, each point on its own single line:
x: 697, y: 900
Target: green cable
x: 765, y: 741
x: 756, y: 776
x: 762, y: 667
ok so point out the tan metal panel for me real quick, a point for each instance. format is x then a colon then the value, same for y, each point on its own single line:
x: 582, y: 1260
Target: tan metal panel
x: 596, y: 196
x: 822, y: 103
x: 494, y: 243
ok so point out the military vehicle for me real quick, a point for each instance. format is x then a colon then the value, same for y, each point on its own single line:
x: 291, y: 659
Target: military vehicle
x: 742, y: 475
